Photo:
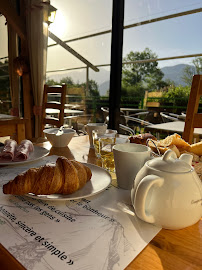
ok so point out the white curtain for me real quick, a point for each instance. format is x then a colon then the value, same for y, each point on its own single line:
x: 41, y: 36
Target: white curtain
x: 37, y: 36
x: 14, y: 78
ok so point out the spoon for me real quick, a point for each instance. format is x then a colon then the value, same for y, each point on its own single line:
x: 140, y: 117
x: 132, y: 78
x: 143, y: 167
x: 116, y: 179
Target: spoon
x: 60, y: 131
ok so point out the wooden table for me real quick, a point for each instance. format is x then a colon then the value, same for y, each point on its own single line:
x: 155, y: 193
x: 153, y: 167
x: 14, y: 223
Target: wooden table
x: 169, y: 250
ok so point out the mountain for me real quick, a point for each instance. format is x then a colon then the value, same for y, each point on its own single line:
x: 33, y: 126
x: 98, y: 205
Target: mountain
x: 173, y: 73
x: 103, y: 88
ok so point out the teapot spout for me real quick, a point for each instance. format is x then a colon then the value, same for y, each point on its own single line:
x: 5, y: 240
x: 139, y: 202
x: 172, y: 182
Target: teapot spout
x: 186, y: 158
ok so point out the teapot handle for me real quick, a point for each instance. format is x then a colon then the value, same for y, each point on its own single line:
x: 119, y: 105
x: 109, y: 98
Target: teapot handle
x: 141, y: 194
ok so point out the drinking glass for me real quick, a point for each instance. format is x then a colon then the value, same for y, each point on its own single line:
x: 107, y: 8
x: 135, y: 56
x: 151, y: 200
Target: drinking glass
x: 100, y: 127
x: 105, y: 149
x: 97, y: 134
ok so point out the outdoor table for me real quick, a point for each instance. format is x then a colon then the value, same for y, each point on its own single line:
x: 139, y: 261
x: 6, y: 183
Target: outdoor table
x: 66, y: 111
x: 127, y: 111
x: 171, y: 127
x: 178, y: 249
x: 69, y: 112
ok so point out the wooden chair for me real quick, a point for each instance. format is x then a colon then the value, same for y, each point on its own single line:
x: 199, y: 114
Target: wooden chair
x: 60, y: 106
x: 193, y: 118
x: 150, y: 99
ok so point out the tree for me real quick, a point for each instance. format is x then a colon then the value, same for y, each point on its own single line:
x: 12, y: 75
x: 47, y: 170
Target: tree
x: 68, y: 81
x: 135, y: 90
x: 189, y: 71
x: 51, y: 82
x: 147, y: 74
x: 198, y: 65
x: 188, y: 74
x: 92, y: 88
x: 177, y: 95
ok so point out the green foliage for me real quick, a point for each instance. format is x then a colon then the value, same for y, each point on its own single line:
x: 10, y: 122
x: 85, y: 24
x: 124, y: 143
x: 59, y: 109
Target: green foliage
x: 92, y: 85
x: 136, y: 90
x: 169, y: 82
x: 68, y: 81
x: 92, y: 88
x: 51, y: 82
x: 188, y: 75
x: 189, y: 71
x: 146, y: 75
x: 177, y: 95
x: 198, y: 65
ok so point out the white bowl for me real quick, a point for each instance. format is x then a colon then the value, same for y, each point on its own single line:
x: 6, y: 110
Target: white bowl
x: 61, y: 140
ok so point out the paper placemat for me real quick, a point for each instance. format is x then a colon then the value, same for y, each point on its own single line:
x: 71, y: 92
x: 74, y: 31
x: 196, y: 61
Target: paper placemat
x: 100, y: 232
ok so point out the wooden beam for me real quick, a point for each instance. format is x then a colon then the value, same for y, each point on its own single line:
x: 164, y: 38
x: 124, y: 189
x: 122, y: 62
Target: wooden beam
x: 27, y: 90
x: 72, y: 51
x: 16, y: 22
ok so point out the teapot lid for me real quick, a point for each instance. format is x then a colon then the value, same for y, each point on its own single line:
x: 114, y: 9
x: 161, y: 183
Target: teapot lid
x: 170, y: 163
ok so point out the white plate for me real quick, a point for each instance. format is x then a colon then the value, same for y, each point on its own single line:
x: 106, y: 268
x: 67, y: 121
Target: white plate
x: 38, y: 153
x: 100, y: 180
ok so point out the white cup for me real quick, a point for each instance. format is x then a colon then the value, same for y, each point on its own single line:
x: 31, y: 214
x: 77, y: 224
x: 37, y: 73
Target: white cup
x: 129, y: 158
x: 101, y: 127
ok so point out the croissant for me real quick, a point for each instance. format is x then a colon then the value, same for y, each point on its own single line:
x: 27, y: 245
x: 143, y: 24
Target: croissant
x: 64, y: 177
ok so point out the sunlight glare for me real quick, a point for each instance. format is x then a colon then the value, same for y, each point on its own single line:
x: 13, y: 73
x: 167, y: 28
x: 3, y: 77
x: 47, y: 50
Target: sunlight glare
x: 60, y: 25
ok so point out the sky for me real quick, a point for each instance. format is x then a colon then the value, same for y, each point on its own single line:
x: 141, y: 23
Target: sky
x: 74, y: 18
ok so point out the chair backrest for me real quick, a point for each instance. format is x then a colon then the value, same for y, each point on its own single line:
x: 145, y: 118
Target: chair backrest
x: 193, y: 118
x: 151, y: 99
x: 58, y: 105
x: 127, y: 129
x: 137, y: 120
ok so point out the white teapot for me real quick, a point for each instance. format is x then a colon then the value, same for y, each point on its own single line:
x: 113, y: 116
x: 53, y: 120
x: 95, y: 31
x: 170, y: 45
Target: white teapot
x: 168, y: 192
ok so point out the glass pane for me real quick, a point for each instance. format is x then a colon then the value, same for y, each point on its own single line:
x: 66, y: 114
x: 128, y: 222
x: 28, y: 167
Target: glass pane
x: 77, y: 19
x: 5, y: 100
x: 163, y: 85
